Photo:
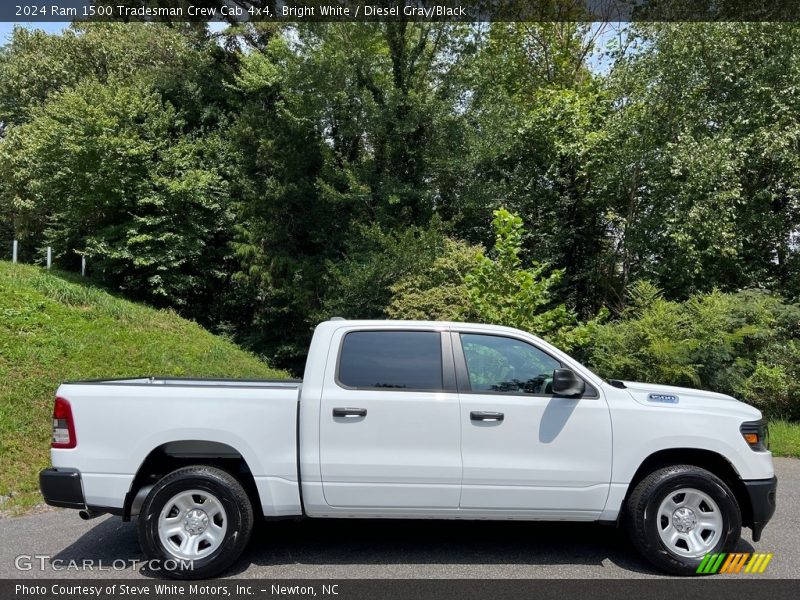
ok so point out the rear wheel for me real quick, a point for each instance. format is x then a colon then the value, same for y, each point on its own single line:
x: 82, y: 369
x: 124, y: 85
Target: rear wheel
x: 678, y: 514
x: 198, y: 520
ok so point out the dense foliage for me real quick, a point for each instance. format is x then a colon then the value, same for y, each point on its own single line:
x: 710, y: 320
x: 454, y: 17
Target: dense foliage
x: 268, y: 176
x: 464, y: 284
x: 746, y: 344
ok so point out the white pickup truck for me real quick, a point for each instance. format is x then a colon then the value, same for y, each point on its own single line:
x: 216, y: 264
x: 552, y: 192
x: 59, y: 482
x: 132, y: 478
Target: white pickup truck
x: 412, y: 419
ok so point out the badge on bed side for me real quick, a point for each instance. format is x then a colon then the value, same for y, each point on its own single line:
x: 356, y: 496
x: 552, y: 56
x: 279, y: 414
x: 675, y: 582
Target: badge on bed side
x: 665, y: 398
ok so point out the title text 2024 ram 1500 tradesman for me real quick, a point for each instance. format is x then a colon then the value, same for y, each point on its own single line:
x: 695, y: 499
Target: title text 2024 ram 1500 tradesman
x: 406, y: 419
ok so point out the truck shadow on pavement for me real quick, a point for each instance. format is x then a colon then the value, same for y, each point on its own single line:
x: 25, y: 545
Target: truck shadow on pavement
x: 500, y: 546
x: 400, y: 548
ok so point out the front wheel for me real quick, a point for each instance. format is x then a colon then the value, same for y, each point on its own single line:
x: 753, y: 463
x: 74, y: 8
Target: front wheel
x: 678, y: 514
x: 195, y: 522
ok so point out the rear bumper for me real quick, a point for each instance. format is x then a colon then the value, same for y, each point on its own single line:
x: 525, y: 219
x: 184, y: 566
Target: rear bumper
x: 62, y: 487
x: 762, y: 500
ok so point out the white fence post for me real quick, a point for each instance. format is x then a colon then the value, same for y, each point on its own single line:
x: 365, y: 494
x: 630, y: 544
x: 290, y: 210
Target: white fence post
x: 14, y: 251
x: 49, y: 257
x: 83, y: 265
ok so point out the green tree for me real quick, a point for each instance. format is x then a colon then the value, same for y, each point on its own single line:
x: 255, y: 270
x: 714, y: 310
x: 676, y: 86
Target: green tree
x: 701, y: 173
x: 502, y: 291
x: 104, y: 170
x: 335, y: 144
x: 535, y: 115
x: 179, y: 61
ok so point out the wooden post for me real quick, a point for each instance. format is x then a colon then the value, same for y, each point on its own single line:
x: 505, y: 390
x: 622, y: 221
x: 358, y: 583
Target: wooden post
x: 14, y: 251
x: 83, y: 265
x: 49, y: 257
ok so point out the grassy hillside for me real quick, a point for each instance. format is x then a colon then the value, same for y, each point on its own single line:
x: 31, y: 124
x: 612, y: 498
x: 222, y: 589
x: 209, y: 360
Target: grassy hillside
x: 53, y: 328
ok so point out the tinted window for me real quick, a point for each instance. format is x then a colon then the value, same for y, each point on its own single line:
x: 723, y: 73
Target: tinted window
x: 392, y: 359
x: 501, y: 364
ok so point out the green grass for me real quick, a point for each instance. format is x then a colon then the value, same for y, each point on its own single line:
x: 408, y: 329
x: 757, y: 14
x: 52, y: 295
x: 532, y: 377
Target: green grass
x: 54, y: 327
x: 784, y: 438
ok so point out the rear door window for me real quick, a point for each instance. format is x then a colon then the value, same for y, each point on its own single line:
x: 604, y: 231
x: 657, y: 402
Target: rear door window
x: 399, y: 360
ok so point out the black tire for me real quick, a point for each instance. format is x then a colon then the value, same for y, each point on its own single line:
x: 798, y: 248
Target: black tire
x: 642, y: 507
x: 227, y: 490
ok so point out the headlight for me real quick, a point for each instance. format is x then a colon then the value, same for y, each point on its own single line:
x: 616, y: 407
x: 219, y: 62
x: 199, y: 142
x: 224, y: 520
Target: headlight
x: 756, y: 434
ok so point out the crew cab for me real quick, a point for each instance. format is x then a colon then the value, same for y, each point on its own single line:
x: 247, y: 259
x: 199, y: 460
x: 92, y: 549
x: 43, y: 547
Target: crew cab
x: 412, y: 419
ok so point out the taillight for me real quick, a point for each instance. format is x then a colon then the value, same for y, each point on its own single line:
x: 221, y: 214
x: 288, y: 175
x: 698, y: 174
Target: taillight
x: 63, y: 425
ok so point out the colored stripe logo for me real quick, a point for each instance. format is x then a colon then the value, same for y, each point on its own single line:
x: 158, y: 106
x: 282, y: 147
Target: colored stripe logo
x: 735, y: 562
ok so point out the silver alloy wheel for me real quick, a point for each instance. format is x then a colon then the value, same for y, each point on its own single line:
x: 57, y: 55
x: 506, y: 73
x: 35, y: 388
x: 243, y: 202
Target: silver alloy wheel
x: 689, y: 522
x: 192, y: 524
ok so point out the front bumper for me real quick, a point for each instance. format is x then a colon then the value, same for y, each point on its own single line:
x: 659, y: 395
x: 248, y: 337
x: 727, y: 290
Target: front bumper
x: 62, y: 487
x: 762, y: 502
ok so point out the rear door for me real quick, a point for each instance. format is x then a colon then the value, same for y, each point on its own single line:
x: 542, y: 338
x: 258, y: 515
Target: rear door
x: 523, y: 448
x: 389, y: 423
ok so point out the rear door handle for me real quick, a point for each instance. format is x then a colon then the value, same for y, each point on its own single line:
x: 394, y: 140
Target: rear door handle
x: 349, y: 412
x: 482, y: 415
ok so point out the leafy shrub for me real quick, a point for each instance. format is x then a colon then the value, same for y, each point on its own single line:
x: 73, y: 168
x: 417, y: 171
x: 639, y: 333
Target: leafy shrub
x: 439, y: 291
x: 768, y: 387
x: 466, y: 284
x: 650, y: 342
x: 361, y: 285
x: 744, y: 344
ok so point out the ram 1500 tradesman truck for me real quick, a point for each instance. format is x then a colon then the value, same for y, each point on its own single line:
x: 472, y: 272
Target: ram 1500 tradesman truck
x: 412, y: 419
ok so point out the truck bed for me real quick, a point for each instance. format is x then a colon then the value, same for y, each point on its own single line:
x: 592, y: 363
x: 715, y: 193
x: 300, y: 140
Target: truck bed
x: 119, y: 423
x: 194, y: 382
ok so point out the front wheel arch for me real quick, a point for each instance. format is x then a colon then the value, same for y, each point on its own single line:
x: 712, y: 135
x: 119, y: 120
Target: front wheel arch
x: 705, y: 459
x: 658, y: 521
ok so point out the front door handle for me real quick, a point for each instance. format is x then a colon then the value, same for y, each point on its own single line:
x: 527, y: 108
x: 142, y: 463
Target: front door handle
x: 349, y: 412
x: 482, y: 415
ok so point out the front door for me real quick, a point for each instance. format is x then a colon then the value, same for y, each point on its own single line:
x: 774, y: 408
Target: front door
x: 524, y: 449
x: 389, y: 423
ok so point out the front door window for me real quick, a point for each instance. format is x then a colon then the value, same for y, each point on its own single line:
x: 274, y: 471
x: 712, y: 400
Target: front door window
x: 507, y: 365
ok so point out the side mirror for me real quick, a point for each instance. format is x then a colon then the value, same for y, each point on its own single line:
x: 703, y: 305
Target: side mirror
x: 567, y: 383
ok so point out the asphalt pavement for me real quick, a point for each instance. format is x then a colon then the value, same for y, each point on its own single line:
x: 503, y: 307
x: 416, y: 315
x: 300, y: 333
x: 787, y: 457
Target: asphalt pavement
x: 383, y: 548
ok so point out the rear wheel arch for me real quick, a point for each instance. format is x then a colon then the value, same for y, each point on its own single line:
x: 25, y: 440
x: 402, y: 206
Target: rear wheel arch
x: 195, y: 522
x: 169, y: 456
